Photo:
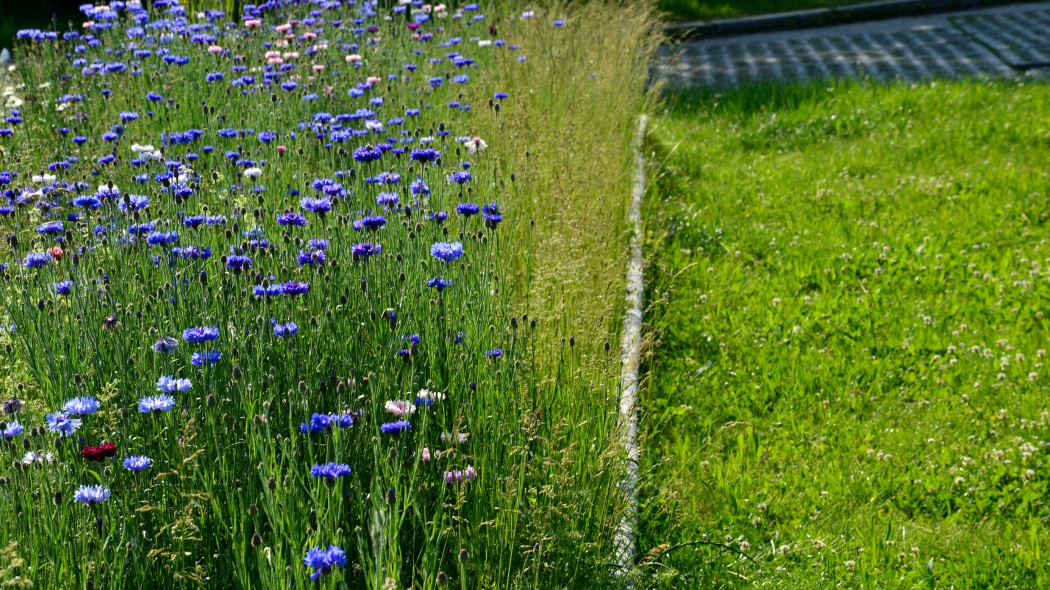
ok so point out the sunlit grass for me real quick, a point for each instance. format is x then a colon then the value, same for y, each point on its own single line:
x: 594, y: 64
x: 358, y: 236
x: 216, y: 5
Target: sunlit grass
x: 851, y: 302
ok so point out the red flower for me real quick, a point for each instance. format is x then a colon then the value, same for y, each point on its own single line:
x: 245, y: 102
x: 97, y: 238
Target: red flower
x: 56, y: 252
x: 101, y: 452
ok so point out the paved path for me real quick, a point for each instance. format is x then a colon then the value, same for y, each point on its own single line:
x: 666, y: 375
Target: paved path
x: 1003, y: 42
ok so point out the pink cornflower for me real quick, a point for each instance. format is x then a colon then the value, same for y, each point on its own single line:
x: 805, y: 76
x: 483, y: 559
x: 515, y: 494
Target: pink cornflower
x: 400, y: 408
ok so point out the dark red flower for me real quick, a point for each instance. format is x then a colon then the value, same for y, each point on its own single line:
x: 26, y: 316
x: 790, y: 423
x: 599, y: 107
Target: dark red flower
x: 101, y: 452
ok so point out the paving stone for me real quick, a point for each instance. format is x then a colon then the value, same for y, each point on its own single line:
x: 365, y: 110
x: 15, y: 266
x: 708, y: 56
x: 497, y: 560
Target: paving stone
x: 992, y: 43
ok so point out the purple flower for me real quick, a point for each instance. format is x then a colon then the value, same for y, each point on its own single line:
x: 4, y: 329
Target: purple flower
x: 397, y: 427
x: 62, y: 424
x: 438, y: 283
x: 446, y: 251
x: 200, y: 334
x: 156, y: 403
x: 91, y: 494
x: 467, y: 209
x: 424, y: 155
x: 312, y: 257
x: 294, y: 219
x: 330, y: 470
x: 317, y: 205
x: 365, y: 249
x: 367, y: 153
x: 322, y: 561
x: 294, y: 288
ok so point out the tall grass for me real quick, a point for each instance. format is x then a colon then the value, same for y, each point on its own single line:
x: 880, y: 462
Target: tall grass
x: 229, y: 497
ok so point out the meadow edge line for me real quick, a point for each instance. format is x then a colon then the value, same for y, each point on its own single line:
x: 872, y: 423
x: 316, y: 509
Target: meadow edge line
x: 631, y: 348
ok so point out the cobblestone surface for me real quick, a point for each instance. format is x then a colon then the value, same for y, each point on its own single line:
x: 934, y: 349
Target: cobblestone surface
x: 995, y: 43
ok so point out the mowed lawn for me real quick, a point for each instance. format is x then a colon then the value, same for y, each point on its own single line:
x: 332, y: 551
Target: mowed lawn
x: 850, y: 289
x: 682, y: 10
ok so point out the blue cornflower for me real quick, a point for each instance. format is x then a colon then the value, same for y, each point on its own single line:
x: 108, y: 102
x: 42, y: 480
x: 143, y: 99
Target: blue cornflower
x: 323, y: 561
x: 285, y: 330
x: 192, y: 252
x: 366, y: 249
x: 294, y: 288
x: 50, y: 228
x: 156, y: 403
x: 91, y: 494
x: 387, y: 199
x: 36, y: 260
x: 418, y: 186
x: 438, y: 283
x: 317, y: 205
x: 166, y: 344
x: 62, y: 424
x: 397, y: 427
x: 467, y: 209
x: 312, y: 257
x: 367, y: 153
x: 446, y: 251
x: 13, y: 429
x: 268, y: 291
x: 372, y: 222
x: 492, y: 214
x: 235, y: 262
x: 295, y: 219
x: 318, y: 244
x: 330, y: 470
x: 200, y: 334
x: 193, y: 221
x: 80, y: 406
x: 154, y: 97
x: 424, y: 155
x: 494, y: 353
x: 207, y: 358
x: 317, y: 423
x: 87, y: 202
x: 137, y: 463
x: 133, y: 203
x: 161, y: 238
x: 461, y: 177
x: 63, y: 287
x: 168, y: 384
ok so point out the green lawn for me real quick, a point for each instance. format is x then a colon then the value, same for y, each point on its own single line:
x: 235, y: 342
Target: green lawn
x: 848, y: 385
x: 683, y: 10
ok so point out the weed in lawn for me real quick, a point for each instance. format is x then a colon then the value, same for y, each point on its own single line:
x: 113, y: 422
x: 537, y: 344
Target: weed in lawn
x: 849, y: 384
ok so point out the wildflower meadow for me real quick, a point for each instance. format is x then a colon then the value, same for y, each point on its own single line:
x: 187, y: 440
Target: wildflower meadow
x: 292, y: 296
